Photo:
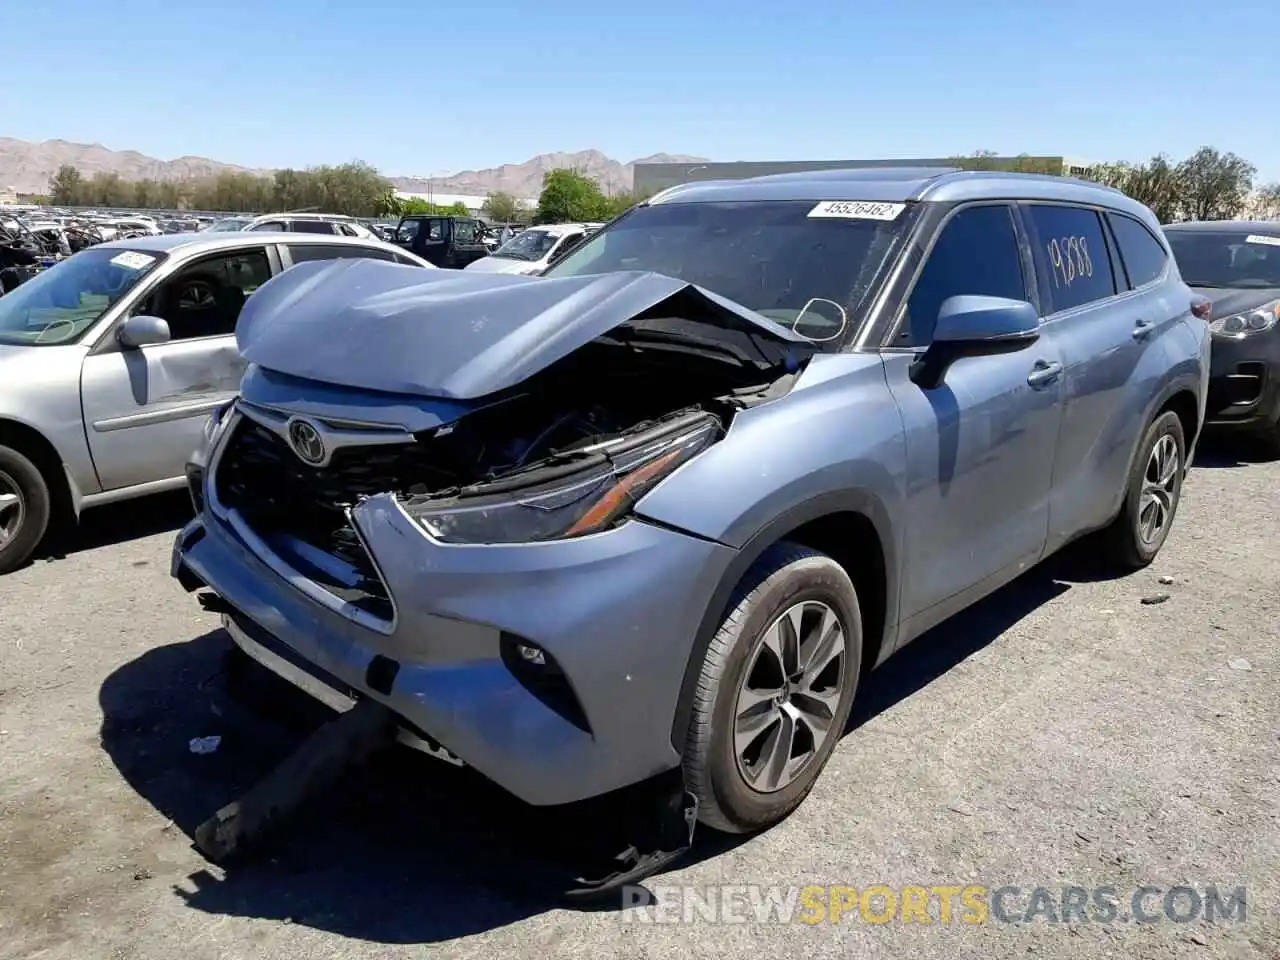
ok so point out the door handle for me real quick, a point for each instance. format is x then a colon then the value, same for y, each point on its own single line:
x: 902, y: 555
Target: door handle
x: 1142, y: 329
x: 1044, y: 373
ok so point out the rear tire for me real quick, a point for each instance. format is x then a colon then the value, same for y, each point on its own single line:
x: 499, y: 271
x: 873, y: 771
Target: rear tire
x: 25, y: 507
x: 795, y: 605
x: 1151, y: 498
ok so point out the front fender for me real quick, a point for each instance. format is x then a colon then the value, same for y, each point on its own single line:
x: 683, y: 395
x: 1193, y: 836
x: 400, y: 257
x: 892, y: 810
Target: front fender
x: 834, y: 444
x: 40, y: 391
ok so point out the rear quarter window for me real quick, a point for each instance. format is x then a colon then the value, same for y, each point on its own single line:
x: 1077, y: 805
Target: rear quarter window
x: 1071, y: 255
x: 302, y: 252
x: 1143, y: 255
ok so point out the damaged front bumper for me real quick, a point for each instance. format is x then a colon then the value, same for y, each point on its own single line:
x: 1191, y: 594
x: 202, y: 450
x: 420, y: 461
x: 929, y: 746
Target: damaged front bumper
x: 611, y: 616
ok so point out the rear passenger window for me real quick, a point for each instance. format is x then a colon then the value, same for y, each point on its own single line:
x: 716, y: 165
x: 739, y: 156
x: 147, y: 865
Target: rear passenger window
x: 1143, y: 255
x: 302, y: 252
x: 311, y: 226
x: 977, y: 254
x: 1071, y: 256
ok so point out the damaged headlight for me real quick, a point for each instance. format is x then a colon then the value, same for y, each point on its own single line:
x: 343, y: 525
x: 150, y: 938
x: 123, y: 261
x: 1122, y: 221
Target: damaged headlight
x: 214, y: 424
x: 564, y: 497
x: 1258, y: 320
x: 198, y: 462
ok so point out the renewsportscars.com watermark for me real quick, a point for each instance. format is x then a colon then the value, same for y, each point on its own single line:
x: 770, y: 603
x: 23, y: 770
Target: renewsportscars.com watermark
x: 944, y: 904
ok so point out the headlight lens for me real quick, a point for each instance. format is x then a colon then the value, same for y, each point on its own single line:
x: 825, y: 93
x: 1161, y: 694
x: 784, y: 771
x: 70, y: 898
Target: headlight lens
x: 570, y: 498
x: 1250, y: 322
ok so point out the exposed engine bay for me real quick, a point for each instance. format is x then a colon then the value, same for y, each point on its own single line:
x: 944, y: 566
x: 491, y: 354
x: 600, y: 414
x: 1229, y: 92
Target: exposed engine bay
x: 566, y: 452
x: 627, y: 382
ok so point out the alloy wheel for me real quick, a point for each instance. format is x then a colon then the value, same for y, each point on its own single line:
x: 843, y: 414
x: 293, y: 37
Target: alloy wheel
x: 1159, y: 490
x: 12, y: 508
x: 787, y: 701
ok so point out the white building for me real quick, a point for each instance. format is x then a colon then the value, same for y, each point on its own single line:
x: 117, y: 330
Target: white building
x: 470, y: 201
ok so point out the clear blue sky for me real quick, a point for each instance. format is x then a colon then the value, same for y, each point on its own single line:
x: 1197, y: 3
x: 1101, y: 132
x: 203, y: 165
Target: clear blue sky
x: 418, y: 88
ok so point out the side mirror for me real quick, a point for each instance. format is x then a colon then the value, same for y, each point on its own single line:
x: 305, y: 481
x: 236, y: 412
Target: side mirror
x: 142, y: 330
x: 975, y: 326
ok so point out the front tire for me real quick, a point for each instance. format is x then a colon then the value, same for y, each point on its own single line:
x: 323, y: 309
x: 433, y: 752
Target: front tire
x: 775, y: 691
x: 1151, y: 496
x: 25, y: 507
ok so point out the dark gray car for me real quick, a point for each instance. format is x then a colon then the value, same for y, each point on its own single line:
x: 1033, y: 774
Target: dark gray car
x: 661, y: 509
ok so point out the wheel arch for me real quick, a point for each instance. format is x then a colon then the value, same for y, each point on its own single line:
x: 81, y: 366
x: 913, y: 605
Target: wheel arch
x: 850, y: 526
x: 37, y: 448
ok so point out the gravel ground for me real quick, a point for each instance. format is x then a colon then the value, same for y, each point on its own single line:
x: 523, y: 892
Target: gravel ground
x: 1062, y: 733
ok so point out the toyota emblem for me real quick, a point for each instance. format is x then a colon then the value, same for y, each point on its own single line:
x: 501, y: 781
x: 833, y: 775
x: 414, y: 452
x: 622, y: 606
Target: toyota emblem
x: 306, y: 442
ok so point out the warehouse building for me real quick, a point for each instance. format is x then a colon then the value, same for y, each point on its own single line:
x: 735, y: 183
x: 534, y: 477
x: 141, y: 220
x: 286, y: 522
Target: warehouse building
x: 652, y: 177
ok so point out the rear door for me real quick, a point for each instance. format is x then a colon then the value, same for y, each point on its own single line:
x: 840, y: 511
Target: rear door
x: 1105, y: 322
x: 144, y: 408
x: 981, y: 445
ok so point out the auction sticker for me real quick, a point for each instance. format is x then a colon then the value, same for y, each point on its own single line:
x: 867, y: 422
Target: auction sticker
x: 857, y: 210
x: 1254, y: 238
x: 132, y: 260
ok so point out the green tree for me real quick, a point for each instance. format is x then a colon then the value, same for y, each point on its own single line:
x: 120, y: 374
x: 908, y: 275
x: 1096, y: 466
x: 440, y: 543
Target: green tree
x: 1267, y: 203
x: 1213, y: 185
x: 501, y: 207
x: 66, y: 186
x: 1156, y: 184
x: 570, y: 196
x: 1022, y: 163
x: 419, y: 206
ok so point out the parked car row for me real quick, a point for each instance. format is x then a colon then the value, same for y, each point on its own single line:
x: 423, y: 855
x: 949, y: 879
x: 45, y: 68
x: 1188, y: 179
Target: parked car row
x: 112, y: 360
x: 654, y: 514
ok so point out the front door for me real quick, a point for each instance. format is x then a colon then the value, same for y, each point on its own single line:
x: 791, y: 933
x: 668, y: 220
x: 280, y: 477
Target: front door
x: 144, y: 408
x: 980, y: 446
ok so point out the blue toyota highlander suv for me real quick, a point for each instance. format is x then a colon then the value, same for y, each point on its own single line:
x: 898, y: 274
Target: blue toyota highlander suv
x: 663, y: 508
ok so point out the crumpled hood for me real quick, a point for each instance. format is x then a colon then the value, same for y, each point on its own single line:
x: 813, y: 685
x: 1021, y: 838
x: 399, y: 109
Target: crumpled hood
x: 374, y: 325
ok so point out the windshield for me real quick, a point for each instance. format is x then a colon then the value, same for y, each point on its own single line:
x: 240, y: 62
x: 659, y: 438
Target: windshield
x: 809, y: 273
x: 530, y: 245
x: 1213, y: 259
x: 60, y: 304
x: 228, y: 225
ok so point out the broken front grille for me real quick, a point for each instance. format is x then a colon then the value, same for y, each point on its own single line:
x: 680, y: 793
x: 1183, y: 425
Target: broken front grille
x: 293, y: 506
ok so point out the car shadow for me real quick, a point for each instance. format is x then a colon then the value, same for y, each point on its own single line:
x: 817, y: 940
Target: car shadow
x: 117, y: 523
x: 1224, y: 452
x: 407, y: 850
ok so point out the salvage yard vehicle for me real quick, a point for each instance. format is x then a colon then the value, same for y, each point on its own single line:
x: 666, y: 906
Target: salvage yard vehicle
x: 111, y: 360
x: 1235, y: 264
x: 660, y: 510
x: 451, y: 242
x: 533, y: 250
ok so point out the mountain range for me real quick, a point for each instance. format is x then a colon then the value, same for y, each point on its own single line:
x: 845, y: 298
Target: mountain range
x: 26, y: 167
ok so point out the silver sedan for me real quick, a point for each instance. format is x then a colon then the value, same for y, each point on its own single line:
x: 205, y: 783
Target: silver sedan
x: 111, y: 361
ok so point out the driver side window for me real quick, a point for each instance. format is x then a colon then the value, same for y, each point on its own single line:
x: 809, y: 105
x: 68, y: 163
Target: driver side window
x: 204, y: 299
x: 976, y: 254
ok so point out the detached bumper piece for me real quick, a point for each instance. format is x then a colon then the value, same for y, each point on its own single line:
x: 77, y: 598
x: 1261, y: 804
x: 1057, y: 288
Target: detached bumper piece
x: 342, y: 743
x: 583, y: 854
x: 658, y: 819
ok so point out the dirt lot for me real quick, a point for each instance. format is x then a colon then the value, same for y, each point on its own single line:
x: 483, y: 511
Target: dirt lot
x: 1064, y: 733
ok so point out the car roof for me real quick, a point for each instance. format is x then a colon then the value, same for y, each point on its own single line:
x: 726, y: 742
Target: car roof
x: 196, y: 243
x: 900, y: 185
x: 1224, y: 226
